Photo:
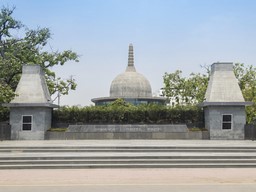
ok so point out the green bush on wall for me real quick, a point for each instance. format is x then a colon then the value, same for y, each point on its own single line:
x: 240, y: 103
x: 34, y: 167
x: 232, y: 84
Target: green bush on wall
x: 120, y: 112
x: 4, y: 114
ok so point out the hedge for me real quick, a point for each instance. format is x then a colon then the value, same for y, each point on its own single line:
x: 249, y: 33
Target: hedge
x: 4, y: 114
x: 128, y: 114
x: 120, y: 112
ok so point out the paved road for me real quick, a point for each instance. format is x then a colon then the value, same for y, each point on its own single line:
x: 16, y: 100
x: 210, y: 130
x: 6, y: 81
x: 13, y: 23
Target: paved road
x: 124, y: 180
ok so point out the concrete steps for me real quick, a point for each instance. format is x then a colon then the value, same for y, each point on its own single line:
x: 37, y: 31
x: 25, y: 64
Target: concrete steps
x: 69, y: 157
x: 111, y: 149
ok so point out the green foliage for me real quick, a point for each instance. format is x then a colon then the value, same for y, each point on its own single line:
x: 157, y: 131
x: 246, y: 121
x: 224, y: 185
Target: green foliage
x: 246, y: 76
x: 28, y: 49
x: 58, y: 129
x: 194, y: 129
x: 191, y: 90
x: 4, y: 114
x: 6, y: 93
x: 120, y: 112
x: 185, y: 91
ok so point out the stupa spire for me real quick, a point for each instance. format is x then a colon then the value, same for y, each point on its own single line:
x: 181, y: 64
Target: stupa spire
x: 130, y: 56
x: 130, y: 66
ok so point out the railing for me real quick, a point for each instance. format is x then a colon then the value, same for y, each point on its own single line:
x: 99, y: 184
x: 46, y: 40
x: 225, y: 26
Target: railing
x: 250, y: 132
x: 5, y: 131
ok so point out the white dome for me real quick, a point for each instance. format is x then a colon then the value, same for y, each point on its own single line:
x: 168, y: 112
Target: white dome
x: 130, y: 84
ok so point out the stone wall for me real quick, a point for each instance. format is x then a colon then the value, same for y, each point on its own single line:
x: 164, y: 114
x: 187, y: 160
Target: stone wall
x: 197, y: 135
x: 168, y: 131
x: 213, y: 122
x: 40, y: 123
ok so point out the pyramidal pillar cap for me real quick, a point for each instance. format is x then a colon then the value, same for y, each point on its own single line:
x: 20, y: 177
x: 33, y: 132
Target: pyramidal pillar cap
x: 32, y: 89
x: 224, y: 66
x: 223, y: 88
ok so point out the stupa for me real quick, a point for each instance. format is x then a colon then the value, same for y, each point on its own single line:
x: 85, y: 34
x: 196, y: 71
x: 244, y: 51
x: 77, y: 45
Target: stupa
x: 131, y: 86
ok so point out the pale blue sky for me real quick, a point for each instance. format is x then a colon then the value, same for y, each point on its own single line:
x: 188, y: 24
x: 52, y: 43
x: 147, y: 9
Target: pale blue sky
x: 167, y: 35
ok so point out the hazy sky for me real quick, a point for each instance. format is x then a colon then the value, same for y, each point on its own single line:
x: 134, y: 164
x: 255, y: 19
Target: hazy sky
x: 167, y: 35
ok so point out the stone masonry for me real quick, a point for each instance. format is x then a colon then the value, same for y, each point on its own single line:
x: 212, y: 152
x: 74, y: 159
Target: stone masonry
x: 224, y: 105
x: 31, y: 109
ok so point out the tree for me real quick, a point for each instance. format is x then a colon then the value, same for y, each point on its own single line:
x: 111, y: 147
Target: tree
x: 191, y: 90
x: 185, y: 91
x: 28, y: 49
x: 246, y: 76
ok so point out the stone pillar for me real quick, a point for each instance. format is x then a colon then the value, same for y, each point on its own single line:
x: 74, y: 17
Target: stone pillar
x: 31, y: 109
x: 224, y: 105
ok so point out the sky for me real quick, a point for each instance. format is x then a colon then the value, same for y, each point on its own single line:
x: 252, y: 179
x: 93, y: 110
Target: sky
x: 167, y: 35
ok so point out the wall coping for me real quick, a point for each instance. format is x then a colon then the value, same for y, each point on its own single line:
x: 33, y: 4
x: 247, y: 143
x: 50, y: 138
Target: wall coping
x: 11, y: 105
x: 205, y: 104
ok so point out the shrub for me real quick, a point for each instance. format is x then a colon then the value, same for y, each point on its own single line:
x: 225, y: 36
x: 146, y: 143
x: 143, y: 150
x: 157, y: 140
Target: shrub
x: 4, y: 114
x: 123, y: 113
